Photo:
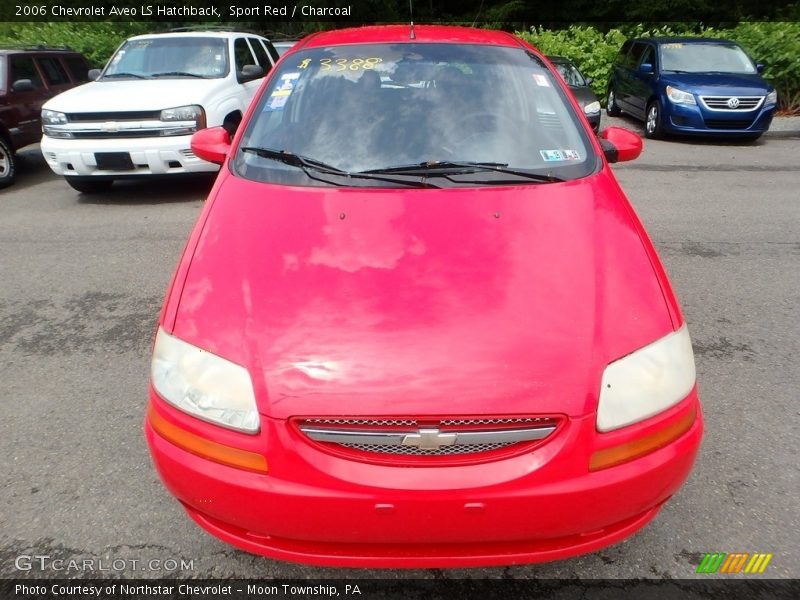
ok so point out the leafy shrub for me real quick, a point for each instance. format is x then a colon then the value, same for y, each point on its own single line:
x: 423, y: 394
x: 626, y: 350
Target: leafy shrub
x: 96, y: 41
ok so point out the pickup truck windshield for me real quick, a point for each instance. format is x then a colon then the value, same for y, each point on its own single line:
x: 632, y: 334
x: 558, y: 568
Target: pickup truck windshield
x: 172, y: 57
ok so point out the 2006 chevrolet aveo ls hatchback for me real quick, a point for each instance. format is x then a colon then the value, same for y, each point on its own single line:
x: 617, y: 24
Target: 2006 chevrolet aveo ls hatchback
x: 418, y: 323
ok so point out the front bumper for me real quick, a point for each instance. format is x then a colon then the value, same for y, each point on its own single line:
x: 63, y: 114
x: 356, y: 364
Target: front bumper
x: 316, y: 508
x: 696, y: 120
x: 150, y: 156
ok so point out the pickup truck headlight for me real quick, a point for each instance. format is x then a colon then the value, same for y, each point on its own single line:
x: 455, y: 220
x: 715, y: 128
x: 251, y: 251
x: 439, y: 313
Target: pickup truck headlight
x: 592, y: 108
x: 771, y: 99
x: 51, y: 120
x: 203, y: 384
x: 679, y: 96
x: 647, y: 381
x: 51, y: 117
x: 184, y: 114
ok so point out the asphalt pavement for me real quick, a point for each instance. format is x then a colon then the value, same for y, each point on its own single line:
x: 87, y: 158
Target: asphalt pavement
x: 82, y: 279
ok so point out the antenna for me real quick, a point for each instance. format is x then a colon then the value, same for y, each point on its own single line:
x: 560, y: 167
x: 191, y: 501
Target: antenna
x: 411, y: 35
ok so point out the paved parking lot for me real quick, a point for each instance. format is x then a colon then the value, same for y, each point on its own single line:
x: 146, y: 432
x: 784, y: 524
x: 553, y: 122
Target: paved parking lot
x: 81, y: 283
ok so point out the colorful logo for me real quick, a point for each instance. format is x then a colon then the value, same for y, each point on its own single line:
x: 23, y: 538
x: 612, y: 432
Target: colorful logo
x: 736, y: 562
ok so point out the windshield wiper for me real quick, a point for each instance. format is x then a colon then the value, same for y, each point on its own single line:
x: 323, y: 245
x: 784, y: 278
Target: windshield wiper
x: 178, y: 74
x: 437, y: 168
x: 305, y: 163
x: 136, y: 75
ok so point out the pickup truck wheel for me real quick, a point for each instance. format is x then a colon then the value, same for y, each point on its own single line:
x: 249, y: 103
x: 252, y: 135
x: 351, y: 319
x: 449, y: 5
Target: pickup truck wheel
x: 89, y: 185
x: 8, y: 164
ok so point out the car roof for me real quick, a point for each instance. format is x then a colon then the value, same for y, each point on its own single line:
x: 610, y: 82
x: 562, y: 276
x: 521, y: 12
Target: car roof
x: 402, y: 33
x: 198, y: 33
x: 684, y: 40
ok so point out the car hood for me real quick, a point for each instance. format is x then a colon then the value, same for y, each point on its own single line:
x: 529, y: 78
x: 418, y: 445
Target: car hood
x: 583, y: 94
x: 422, y: 302
x: 135, y: 95
x: 718, y: 83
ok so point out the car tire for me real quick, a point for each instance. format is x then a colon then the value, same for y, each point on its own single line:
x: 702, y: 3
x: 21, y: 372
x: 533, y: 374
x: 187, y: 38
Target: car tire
x: 89, y: 185
x: 653, y: 127
x: 612, y: 108
x: 8, y: 164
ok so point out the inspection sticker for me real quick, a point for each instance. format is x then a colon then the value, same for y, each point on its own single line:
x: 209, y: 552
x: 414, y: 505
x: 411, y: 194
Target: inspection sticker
x: 541, y: 80
x: 281, y: 93
x: 556, y: 155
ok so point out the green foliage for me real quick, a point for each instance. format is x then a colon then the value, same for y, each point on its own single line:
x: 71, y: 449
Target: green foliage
x: 96, y: 41
x: 775, y: 44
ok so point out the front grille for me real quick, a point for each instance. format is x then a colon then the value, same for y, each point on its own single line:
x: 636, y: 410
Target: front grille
x: 721, y: 103
x: 728, y: 123
x: 411, y: 451
x: 102, y: 117
x: 419, y: 438
x: 124, y: 133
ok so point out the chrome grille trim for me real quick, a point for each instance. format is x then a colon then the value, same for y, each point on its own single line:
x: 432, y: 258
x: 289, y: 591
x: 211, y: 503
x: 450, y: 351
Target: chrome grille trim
x: 720, y: 103
x: 426, y: 438
x: 387, y: 422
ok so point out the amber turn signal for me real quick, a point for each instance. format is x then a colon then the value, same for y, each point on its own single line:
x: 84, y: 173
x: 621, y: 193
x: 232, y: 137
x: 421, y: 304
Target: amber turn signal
x: 608, y: 457
x: 233, y: 457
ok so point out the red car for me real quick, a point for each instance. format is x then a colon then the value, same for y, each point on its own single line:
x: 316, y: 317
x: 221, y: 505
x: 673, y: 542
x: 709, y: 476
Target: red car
x: 418, y: 323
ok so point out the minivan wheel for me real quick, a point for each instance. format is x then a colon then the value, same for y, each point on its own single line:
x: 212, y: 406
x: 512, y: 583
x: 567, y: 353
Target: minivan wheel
x: 89, y: 185
x: 612, y: 109
x: 652, y: 125
x: 8, y: 164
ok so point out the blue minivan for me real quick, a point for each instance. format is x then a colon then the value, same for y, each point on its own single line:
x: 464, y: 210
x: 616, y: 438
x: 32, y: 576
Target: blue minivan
x: 691, y: 86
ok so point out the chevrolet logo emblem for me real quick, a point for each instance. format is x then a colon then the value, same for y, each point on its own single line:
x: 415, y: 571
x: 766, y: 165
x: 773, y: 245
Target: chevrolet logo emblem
x: 429, y: 438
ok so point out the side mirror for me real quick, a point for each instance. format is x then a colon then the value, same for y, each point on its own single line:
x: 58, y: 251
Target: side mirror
x: 619, y: 144
x: 588, y: 80
x: 646, y: 69
x: 94, y: 74
x: 211, y: 144
x: 250, y: 72
x: 760, y: 68
x: 22, y: 85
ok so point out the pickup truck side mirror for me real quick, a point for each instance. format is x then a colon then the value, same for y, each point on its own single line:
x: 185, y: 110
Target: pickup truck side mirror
x: 250, y: 72
x: 94, y: 74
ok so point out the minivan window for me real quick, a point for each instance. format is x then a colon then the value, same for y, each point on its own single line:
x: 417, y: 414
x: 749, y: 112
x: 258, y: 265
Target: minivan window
x: 705, y: 57
x: 22, y: 67
x: 649, y: 56
x: 78, y: 68
x: 635, y: 55
x: 53, y: 71
x: 383, y: 107
x: 169, y: 57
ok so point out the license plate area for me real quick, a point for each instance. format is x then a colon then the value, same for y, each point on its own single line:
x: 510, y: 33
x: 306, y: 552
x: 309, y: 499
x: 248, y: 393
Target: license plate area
x: 114, y: 161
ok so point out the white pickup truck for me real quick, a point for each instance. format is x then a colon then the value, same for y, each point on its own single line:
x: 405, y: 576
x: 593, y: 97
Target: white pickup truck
x: 138, y: 115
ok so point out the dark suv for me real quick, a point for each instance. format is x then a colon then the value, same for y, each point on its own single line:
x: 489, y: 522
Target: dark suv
x: 691, y: 86
x: 28, y: 78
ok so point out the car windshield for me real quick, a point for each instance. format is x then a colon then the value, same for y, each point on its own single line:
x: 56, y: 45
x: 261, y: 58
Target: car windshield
x: 444, y: 113
x: 169, y: 57
x: 570, y: 74
x: 704, y: 58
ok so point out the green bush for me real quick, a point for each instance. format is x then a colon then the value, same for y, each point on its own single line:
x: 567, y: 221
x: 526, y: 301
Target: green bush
x: 775, y: 44
x: 96, y: 41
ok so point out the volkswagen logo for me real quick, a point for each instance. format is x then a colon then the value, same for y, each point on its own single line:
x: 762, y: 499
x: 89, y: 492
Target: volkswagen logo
x: 733, y: 103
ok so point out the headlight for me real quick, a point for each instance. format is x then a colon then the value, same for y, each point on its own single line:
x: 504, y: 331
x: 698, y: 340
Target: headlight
x: 203, y: 384
x: 771, y: 99
x: 679, y: 96
x: 51, y: 117
x: 183, y: 114
x: 646, y: 382
x: 592, y: 108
